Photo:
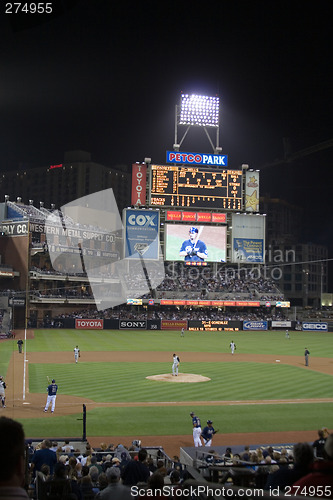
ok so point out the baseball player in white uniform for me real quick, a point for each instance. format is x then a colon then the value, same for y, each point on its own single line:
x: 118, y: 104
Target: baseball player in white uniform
x: 51, y: 396
x: 196, y: 423
x: 76, y: 353
x: 175, y: 365
x: 2, y: 392
x: 232, y: 346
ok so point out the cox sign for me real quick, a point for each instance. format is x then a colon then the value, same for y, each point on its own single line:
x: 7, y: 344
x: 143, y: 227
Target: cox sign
x: 316, y: 327
x: 255, y: 325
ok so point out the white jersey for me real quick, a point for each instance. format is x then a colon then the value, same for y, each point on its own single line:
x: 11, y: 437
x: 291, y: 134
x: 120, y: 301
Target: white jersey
x: 2, y: 387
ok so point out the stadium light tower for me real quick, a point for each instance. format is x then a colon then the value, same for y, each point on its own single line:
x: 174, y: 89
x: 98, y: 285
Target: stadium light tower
x: 198, y: 111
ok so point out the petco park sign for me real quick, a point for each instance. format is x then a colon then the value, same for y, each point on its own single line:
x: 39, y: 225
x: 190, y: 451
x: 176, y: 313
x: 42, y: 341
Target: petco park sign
x: 197, y: 159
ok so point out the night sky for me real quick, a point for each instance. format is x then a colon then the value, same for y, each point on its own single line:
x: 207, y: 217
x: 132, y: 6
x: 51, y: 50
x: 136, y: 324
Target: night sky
x: 105, y: 76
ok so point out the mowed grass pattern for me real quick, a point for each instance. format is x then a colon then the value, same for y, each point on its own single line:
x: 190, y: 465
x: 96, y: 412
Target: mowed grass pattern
x: 232, y: 381
x: 126, y: 382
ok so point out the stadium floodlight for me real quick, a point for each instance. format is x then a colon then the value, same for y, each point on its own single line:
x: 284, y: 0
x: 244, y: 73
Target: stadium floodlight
x: 198, y: 110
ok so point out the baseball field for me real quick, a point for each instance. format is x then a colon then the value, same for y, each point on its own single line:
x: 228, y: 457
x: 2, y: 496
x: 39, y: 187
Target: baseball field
x: 263, y: 393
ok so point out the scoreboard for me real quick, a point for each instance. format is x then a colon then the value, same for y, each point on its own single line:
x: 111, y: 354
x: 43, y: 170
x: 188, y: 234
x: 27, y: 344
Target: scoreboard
x: 194, y: 187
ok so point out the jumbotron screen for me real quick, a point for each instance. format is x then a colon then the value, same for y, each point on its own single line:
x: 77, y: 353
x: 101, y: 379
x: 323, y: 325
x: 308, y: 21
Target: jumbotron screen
x: 193, y: 187
x: 195, y: 245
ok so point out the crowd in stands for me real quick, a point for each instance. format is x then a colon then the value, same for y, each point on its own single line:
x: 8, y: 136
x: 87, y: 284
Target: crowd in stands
x: 51, y: 471
x: 229, y: 284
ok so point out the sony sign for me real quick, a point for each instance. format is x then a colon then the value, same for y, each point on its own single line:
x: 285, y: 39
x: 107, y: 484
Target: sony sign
x: 132, y: 325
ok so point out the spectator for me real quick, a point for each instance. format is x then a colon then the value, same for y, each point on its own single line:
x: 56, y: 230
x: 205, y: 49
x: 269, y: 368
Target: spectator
x: 321, y: 474
x: 102, y: 481
x: 318, y: 445
x: 44, y: 456
x: 114, y: 490
x: 12, y: 462
x: 136, y: 470
x: 86, y: 487
x: 107, y: 463
x: 286, y: 476
x: 60, y: 486
x: 94, y: 463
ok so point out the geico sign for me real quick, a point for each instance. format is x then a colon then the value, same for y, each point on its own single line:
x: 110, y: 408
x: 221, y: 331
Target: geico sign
x: 94, y: 324
x: 314, y: 326
x: 142, y: 220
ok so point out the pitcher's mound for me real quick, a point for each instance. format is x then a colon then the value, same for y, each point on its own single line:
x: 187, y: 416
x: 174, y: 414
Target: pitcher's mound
x: 182, y: 377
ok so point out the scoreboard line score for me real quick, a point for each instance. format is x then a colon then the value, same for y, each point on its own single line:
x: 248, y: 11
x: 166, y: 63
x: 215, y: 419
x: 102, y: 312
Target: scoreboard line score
x: 191, y: 187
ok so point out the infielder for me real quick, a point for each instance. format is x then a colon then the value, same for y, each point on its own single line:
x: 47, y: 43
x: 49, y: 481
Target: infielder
x: 175, y: 365
x: 76, y: 353
x: 232, y: 346
x: 2, y: 392
x: 51, y: 396
x: 196, y: 423
x: 207, y: 433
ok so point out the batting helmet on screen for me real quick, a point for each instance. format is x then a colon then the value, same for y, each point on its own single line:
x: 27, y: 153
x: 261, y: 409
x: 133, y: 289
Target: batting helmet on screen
x: 193, y: 229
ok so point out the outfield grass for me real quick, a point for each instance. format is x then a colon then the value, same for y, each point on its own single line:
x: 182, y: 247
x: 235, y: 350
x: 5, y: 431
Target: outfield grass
x: 319, y: 344
x: 126, y: 382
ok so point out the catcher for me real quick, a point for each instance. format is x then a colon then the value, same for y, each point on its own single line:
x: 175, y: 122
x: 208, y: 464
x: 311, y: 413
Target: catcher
x: 175, y: 365
x: 208, y: 433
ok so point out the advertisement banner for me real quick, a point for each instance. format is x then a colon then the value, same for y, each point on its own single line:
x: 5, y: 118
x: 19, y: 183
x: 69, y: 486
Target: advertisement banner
x: 129, y: 324
x: 89, y: 324
x: 252, y: 191
x: 139, y: 177
x: 248, y: 238
x: 170, y: 324
x: 15, y: 228
x: 281, y: 324
x: 255, y: 325
x: 314, y: 327
x: 214, y: 326
x: 141, y: 234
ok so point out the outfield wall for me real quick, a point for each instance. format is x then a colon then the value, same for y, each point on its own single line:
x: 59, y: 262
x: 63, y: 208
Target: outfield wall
x: 191, y: 325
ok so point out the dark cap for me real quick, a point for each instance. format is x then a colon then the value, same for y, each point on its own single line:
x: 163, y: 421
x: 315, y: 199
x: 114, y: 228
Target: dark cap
x: 53, y: 381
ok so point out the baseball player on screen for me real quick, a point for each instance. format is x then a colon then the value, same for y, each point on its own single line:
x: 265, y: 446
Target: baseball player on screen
x: 193, y: 249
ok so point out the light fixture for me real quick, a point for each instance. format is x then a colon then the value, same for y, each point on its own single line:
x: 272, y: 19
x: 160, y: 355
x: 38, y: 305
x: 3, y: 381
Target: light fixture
x: 197, y: 110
